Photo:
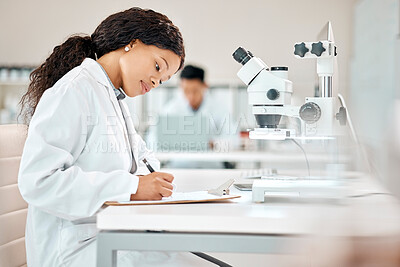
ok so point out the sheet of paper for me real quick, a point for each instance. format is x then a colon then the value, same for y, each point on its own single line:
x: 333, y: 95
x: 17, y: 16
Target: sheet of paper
x: 178, y: 197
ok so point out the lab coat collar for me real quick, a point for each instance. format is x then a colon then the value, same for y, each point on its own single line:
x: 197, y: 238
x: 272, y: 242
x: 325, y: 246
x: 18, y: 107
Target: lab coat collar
x: 96, y: 71
x: 101, y: 76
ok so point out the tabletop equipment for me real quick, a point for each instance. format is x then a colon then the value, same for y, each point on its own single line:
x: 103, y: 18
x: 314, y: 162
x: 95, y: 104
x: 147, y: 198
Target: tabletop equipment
x: 270, y: 93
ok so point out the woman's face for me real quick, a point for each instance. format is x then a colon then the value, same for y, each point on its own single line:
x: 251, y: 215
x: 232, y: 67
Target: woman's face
x: 144, y: 67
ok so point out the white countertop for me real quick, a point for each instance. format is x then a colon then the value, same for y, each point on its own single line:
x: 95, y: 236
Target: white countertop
x: 371, y: 215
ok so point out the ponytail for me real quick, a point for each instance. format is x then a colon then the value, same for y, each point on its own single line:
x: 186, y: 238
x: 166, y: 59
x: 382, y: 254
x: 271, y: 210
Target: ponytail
x: 64, y: 58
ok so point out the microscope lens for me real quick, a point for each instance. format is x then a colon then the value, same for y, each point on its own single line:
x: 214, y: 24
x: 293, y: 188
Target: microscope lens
x: 241, y: 55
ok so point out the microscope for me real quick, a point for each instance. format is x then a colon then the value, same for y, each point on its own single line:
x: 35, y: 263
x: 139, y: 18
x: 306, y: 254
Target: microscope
x: 270, y: 92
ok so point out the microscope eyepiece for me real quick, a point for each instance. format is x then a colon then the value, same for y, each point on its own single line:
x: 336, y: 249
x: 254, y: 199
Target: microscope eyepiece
x: 241, y: 55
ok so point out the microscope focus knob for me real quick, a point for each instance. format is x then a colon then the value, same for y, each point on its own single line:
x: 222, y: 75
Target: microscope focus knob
x: 341, y: 116
x: 318, y: 49
x: 300, y: 49
x: 310, y: 112
x: 273, y: 94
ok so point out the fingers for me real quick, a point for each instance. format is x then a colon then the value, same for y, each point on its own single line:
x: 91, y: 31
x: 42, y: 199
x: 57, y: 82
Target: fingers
x: 166, y: 188
x: 166, y: 176
x: 154, y: 186
x: 165, y: 192
x: 165, y: 184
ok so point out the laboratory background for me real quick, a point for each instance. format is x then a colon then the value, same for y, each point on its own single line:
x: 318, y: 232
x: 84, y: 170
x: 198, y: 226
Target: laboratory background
x: 365, y: 41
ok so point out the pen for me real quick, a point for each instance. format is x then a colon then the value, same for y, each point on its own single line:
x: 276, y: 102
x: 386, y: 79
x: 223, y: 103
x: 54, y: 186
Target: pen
x: 148, y: 165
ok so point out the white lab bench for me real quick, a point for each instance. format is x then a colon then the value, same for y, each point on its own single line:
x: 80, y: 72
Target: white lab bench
x: 281, y: 225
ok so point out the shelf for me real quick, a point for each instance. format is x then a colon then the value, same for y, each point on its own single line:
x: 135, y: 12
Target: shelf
x: 15, y: 83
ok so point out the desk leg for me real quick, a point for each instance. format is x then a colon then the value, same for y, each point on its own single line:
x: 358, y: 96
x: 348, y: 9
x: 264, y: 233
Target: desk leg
x: 211, y: 259
x: 106, y: 255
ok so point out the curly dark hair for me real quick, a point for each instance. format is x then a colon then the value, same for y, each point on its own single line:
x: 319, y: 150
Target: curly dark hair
x: 116, y: 31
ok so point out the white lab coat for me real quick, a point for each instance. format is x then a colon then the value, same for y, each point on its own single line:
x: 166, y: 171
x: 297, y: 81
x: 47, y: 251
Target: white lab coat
x: 75, y: 158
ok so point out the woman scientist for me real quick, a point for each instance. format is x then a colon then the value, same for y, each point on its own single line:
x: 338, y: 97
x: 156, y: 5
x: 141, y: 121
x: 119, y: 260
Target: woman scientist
x: 82, y: 149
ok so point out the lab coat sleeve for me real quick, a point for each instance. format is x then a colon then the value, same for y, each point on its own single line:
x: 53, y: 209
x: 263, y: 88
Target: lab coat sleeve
x: 48, y: 178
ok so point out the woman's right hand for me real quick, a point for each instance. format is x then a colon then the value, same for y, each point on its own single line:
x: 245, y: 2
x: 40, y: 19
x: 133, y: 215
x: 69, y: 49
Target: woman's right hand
x: 154, y: 186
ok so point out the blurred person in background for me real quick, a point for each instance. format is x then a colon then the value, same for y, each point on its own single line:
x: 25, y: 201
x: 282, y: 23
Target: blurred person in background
x: 195, y: 101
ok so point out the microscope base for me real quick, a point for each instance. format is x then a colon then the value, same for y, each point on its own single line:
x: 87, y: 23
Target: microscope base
x: 304, y: 187
x: 272, y: 134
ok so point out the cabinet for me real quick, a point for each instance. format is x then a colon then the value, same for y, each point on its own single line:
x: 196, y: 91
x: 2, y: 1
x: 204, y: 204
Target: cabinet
x: 14, y: 82
x: 10, y: 96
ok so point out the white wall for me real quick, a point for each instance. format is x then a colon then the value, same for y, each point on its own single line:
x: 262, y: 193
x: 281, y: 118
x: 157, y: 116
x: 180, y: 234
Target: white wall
x: 212, y: 30
x: 373, y: 65
x: 375, y: 85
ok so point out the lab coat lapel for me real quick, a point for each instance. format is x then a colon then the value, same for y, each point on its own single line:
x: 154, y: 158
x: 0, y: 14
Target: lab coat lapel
x: 131, y: 134
x: 124, y: 119
x: 95, y: 69
x: 98, y: 73
x: 117, y: 109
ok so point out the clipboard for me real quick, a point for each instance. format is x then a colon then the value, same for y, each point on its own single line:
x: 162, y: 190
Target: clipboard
x: 177, y: 198
x: 221, y: 193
